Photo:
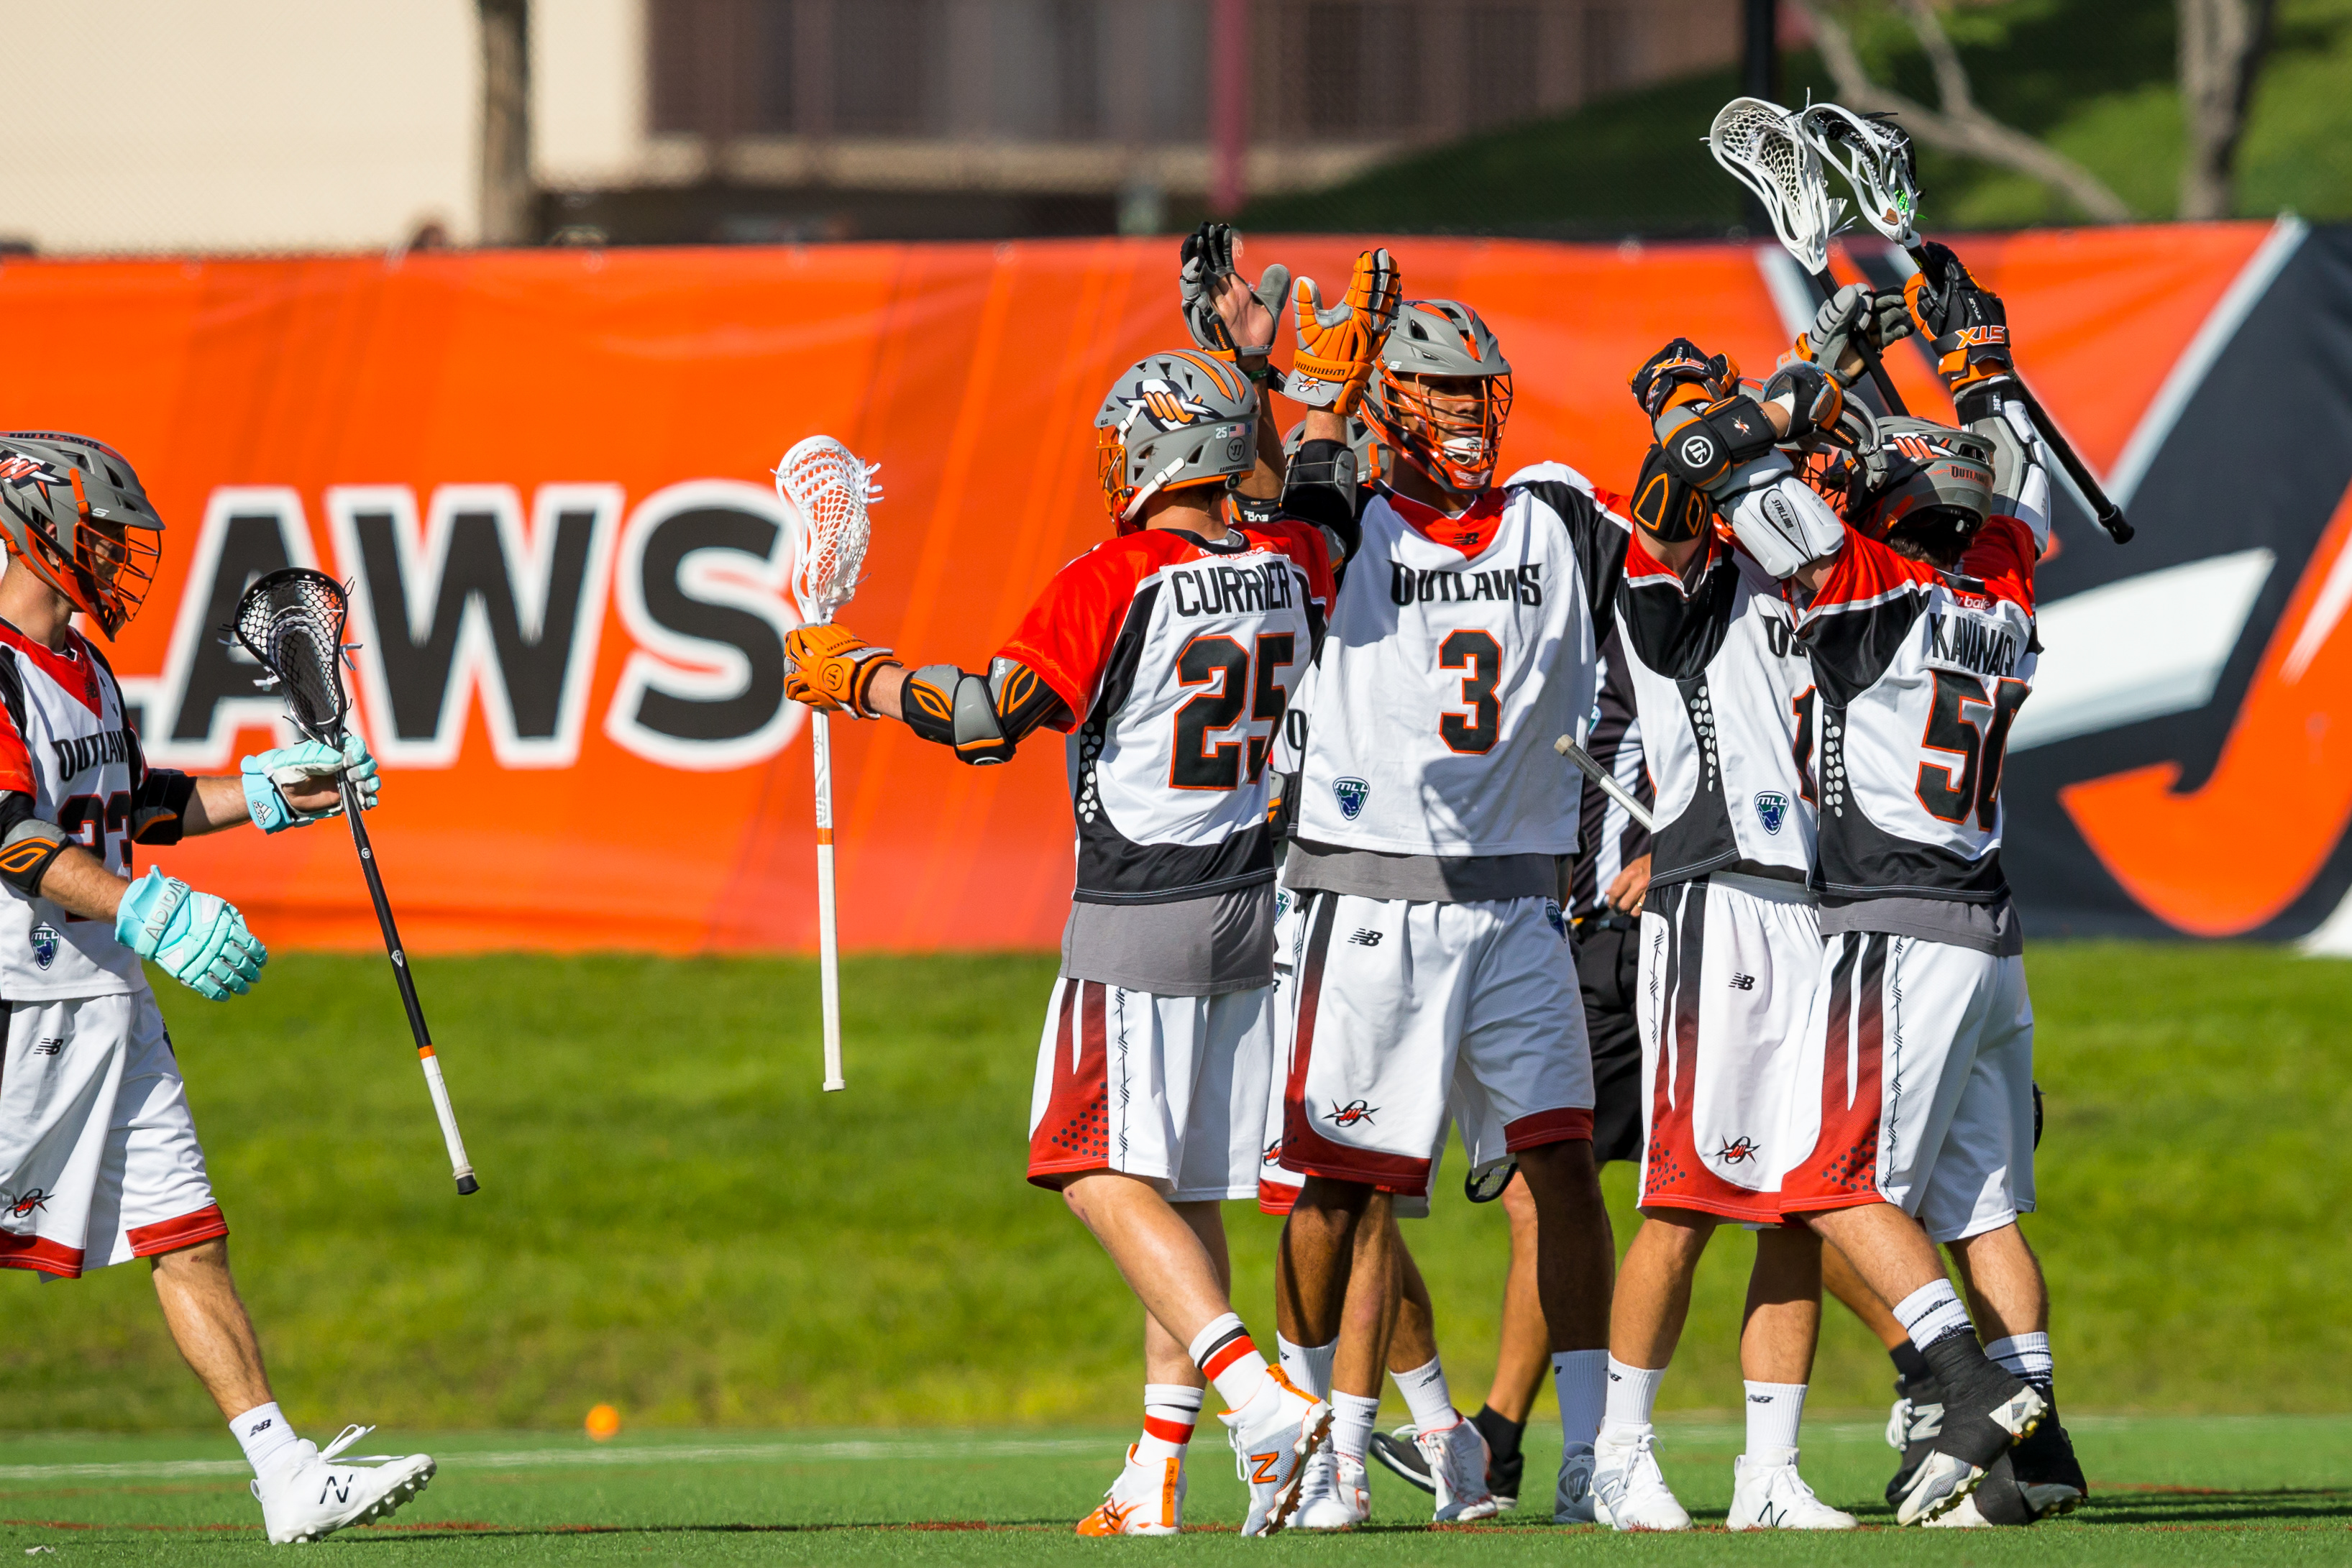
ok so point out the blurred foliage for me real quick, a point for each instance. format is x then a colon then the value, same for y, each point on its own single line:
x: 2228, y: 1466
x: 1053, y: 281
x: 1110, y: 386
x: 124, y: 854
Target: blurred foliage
x: 2092, y: 77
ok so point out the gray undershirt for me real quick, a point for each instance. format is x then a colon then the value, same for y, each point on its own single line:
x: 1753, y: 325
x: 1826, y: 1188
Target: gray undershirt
x: 1425, y: 879
x: 1990, y: 929
x: 1205, y: 947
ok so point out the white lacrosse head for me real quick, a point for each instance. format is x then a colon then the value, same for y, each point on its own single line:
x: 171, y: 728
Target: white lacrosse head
x: 827, y: 490
x: 1875, y: 155
x: 1758, y: 142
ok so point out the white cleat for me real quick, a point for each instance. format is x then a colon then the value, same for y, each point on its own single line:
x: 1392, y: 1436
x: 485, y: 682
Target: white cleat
x: 1273, y: 1435
x: 318, y: 1493
x: 1629, y: 1491
x: 1336, y: 1493
x: 1967, y: 1516
x: 1147, y: 1498
x: 1571, y: 1501
x: 1775, y: 1496
x: 1458, y: 1458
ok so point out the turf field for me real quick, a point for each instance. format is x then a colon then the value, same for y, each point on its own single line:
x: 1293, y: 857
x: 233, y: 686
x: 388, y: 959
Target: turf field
x: 2168, y: 1489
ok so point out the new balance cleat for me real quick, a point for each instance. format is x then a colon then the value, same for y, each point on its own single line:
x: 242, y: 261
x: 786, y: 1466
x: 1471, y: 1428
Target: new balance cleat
x: 1399, y: 1452
x: 1457, y: 1457
x: 1147, y: 1498
x: 2049, y: 1478
x: 1272, y: 1436
x: 1336, y: 1493
x: 1911, y: 1428
x: 311, y: 1497
x: 1775, y: 1496
x: 1571, y: 1500
x: 1983, y: 1417
x: 1629, y: 1491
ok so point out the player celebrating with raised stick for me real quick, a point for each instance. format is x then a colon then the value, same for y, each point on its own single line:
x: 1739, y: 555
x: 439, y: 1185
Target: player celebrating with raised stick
x: 1167, y: 654
x: 98, y: 1157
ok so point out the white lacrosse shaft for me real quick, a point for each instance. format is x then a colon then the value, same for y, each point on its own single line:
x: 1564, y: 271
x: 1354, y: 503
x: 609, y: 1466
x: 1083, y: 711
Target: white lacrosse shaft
x: 828, y: 933
x: 1590, y: 767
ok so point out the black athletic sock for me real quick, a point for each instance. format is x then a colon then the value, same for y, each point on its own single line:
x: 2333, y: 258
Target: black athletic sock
x: 1975, y: 1388
x: 1909, y: 1364
x: 1502, y: 1434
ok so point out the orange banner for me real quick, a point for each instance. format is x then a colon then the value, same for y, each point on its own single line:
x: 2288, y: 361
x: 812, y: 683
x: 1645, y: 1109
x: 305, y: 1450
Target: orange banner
x: 544, y: 474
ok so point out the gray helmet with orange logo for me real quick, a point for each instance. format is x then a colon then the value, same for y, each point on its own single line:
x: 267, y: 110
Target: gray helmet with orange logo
x: 1173, y: 419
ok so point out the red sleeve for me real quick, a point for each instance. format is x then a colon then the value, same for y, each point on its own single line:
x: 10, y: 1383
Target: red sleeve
x: 2002, y: 557
x: 1067, y: 634
x: 1864, y: 572
x: 1643, y: 570
x: 16, y: 762
x: 1305, y: 544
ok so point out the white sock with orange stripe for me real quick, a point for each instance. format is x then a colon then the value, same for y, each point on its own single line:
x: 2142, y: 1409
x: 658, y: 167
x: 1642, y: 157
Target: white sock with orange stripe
x: 1228, y: 1358
x: 1170, y: 1411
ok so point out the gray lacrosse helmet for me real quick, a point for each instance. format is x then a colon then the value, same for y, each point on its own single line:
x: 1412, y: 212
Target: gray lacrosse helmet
x: 1371, y: 455
x: 1173, y: 419
x: 1932, y: 481
x: 74, y: 514
x: 1442, y: 338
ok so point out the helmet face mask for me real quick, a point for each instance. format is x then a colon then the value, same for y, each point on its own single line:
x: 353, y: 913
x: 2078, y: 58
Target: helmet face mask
x: 1171, y: 421
x: 73, y: 513
x: 1443, y: 394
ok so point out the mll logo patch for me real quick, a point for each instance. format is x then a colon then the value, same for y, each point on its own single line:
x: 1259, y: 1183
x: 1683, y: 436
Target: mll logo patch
x: 1772, y: 809
x: 1350, y: 793
x: 44, y: 945
x: 1556, y: 917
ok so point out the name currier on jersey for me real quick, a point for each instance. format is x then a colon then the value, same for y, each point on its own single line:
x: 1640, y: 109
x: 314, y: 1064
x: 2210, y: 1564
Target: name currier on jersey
x: 1232, y: 590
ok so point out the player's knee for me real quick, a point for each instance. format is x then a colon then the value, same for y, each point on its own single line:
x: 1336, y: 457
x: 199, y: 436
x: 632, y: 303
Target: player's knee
x: 207, y: 1256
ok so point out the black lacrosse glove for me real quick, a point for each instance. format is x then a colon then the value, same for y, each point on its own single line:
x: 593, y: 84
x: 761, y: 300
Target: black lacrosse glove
x: 1657, y: 382
x: 1968, y: 324
x: 1206, y: 257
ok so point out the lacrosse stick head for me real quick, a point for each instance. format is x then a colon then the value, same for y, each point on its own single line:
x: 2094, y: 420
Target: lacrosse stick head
x: 292, y: 621
x: 1873, y: 153
x: 827, y: 489
x: 1758, y: 143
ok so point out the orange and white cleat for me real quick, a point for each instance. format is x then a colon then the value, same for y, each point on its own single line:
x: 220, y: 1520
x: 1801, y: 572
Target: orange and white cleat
x: 1147, y: 1498
x: 1273, y: 1435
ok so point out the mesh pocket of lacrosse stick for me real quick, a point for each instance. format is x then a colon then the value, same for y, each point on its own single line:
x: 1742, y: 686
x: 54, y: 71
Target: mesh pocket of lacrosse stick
x: 827, y: 489
x: 1873, y: 153
x: 292, y: 621
x: 1757, y: 143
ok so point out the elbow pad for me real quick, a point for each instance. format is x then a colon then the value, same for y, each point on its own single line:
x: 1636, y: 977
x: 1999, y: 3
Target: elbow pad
x: 1784, y: 525
x: 1713, y: 448
x: 2020, y: 469
x: 28, y: 843
x: 956, y: 709
x: 1321, y: 486
x: 160, y: 809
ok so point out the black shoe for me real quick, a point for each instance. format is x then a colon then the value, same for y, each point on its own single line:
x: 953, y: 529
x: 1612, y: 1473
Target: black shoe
x: 1986, y: 1412
x: 1398, y: 1452
x: 1921, y: 1417
x: 2049, y: 1476
x: 1507, y: 1467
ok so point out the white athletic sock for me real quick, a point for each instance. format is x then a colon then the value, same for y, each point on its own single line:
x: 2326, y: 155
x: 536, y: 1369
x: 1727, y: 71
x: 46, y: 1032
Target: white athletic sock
x: 1580, y: 1380
x: 267, y: 1437
x: 1632, y: 1395
x: 1352, y: 1416
x: 2025, y: 1355
x: 1170, y: 1411
x: 1931, y: 1312
x: 1774, y: 1410
x: 1426, y: 1396
x: 1228, y: 1358
x: 1307, y: 1365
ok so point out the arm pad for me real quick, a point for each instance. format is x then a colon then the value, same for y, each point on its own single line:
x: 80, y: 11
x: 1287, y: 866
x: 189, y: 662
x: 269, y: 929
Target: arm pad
x: 1321, y: 486
x: 28, y: 843
x: 1784, y: 525
x: 1711, y: 448
x: 159, y: 810
x: 982, y: 720
x: 2021, y: 466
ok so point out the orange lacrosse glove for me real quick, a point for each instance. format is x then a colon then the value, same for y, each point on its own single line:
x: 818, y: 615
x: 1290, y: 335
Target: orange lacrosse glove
x: 1338, y: 347
x: 832, y: 668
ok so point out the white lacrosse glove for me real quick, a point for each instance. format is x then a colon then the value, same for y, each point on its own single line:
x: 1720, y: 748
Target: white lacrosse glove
x: 1851, y: 315
x: 1782, y: 523
x: 267, y: 776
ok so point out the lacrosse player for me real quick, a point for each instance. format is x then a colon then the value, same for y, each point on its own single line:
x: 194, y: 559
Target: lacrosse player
x: 1167, y: 654
x: 1921, y: 629
x: 1434, y: 974
x: 98, y: 1157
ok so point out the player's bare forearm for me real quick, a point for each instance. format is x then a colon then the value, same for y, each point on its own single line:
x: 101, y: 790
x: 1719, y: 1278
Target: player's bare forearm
x: 219, y: 803
x: 1323, y: 425
x: 1263, y: 483
x: 883, y: 695
x: 79, y: 883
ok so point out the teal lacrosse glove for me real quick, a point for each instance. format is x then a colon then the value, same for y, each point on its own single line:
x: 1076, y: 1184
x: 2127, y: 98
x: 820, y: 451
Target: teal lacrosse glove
x: 266, y: 776
x: 201, y: 939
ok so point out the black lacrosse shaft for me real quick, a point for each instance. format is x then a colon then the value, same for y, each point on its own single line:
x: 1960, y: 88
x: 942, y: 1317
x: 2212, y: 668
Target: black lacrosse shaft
x: 1878, y: 376
x: 393, y: 949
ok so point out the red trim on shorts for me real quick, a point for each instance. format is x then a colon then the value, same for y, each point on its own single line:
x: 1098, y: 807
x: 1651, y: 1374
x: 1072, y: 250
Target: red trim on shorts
x: 1074, y: 1134
x: 1275, y: 1198
x: 1842, y: 1172
x: 1168, y: 1431
x: 1565, y: 1125
x: 1673, y: 1175
x: 1225, y: 1355
x: 41, y: 1255
x: 1303, y: 1149
x: 170, y: 1235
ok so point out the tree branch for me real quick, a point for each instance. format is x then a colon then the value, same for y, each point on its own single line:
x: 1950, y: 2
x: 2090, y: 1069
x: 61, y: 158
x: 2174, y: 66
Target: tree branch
x: 1960, y: 126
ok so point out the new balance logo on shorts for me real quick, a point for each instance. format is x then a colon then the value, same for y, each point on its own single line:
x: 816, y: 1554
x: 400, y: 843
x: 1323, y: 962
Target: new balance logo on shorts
x: 48, y: 1045
x: 1366, y: 937
x: 1743, y: 982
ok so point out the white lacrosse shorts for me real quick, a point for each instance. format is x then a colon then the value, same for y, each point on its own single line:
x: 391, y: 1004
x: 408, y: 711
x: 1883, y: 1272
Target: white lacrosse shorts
x: 1727, y: 969
x: 1917, y: 1061
x: 98, y: 1157
x: 1410, y: 1010
x: 1169, y: 1089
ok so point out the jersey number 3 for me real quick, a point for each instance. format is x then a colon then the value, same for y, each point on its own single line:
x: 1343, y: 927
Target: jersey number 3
x: 1973, y: 724
x: 1198, y: 764
x: 1480, y: 659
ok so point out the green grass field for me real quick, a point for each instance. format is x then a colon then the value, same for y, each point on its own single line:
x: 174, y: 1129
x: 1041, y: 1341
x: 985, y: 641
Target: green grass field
x: 675, y: 1220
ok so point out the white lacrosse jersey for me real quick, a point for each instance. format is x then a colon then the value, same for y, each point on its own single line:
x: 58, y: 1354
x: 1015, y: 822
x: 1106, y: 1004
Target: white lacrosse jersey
x: 1922, y: 671
x: 64, y: 742
x: 1461, y: 648
x: 1727, y: 705
x: 1176, y: 659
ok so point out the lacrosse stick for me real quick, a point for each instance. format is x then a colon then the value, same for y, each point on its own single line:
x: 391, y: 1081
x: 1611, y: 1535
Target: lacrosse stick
x: 1590, y: 767
x: 827, y: 489
x: 292, y: 621
x: 1873, y: 153
x: 1757, y: 143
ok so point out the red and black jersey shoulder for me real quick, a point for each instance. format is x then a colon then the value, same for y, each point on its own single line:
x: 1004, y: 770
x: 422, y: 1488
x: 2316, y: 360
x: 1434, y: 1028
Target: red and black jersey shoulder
x: 1677, y: 624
